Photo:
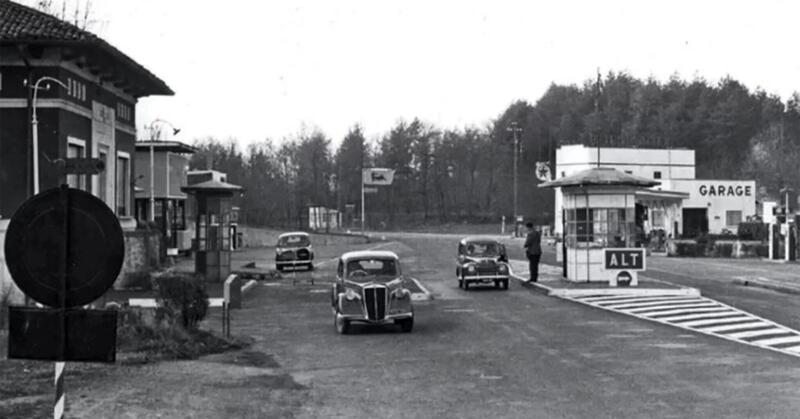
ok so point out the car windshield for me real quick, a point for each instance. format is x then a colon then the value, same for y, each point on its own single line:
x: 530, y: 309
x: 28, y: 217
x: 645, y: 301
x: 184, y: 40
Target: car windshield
x: 483, y: 249
x: 294, y: 241
x: 367, y: 269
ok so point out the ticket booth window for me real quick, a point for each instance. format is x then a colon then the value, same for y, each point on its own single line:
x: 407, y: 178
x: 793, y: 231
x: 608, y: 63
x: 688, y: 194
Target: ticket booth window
x: 599, y: 227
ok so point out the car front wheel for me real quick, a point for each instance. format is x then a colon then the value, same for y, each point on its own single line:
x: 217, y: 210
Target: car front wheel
x: 342, y: 324
x: 406, y: 325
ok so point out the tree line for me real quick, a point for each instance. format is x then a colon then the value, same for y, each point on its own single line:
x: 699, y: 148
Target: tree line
x: 466, y: 174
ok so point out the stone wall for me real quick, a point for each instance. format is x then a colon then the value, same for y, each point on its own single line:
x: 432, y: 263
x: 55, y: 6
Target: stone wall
x: 264, y: 237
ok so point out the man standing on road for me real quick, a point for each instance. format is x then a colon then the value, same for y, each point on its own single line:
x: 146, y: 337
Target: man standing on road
x: 533, y: 250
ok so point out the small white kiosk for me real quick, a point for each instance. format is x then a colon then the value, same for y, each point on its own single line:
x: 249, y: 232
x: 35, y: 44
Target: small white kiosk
x: 599, y: 225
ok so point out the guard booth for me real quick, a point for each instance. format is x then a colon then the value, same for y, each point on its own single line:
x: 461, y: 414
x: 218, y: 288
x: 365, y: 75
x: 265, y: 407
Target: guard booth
x: 213, y: 228
x: 599, y: 225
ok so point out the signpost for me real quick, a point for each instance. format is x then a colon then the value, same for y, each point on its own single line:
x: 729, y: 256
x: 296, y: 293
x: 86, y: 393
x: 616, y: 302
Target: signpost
x: 374, y: 177
x: 624, y: 261
x: 64, y: 248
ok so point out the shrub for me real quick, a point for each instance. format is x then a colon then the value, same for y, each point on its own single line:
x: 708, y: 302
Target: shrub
x: 753, y: 231
x: 138, y: 331
x: 183, y: 300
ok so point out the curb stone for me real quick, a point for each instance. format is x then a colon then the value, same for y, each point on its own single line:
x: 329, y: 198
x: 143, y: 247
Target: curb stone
x: 425, y: 295
x: 766, y: 284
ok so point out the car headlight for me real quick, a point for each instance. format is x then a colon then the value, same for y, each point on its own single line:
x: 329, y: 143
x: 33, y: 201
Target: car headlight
x: 401, y: 293
x: 471, y: 268
x: 503, y: 269
x: 351, y: 295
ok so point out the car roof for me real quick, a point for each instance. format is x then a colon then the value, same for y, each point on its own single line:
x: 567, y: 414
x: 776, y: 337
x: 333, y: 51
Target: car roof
x: 366, y: 254
x: 293, y: 233
x: 478, y: 239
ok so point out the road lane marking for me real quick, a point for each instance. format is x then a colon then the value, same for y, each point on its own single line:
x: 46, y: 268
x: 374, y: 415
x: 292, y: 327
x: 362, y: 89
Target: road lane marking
x: 459, y: 310
x: 701, y: 315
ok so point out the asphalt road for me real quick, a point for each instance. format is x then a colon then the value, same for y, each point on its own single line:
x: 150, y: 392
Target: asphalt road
x: 516, y: 353
x: 473, y: 354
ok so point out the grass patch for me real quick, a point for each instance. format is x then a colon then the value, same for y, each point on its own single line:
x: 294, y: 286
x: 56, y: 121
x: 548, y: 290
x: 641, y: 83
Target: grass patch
x: 140, y: 331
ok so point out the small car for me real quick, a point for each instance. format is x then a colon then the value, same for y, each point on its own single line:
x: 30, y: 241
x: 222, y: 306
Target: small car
x: 482, y: 261
x: 369, y: 288
x: 293, y: 250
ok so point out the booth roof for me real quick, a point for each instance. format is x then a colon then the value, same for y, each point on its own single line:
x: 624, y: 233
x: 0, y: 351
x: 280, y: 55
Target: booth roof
x: 600, y: 176
x: 212, y: 186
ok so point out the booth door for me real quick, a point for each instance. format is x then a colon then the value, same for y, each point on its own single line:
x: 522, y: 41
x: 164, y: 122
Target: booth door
x: 695, y: 221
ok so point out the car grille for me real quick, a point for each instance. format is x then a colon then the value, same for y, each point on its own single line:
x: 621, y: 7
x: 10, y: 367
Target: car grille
x: 486, y: 269
x: 303, y: 254
x: 375, y: 302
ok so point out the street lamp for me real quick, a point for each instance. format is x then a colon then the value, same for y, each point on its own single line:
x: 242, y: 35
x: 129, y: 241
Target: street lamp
x: 175, y: 131
x: 35, y: 126
x: 515, y: 129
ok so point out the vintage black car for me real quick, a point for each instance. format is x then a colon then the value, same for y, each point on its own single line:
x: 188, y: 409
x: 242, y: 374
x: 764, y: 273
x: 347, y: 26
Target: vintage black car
x: 294, y: 250
x: 369, y: 288
x: 482, y: 261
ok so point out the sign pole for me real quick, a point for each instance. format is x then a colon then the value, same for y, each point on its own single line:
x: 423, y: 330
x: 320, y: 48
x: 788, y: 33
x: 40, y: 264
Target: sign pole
x: 363, y: 215
x: 60, y: 399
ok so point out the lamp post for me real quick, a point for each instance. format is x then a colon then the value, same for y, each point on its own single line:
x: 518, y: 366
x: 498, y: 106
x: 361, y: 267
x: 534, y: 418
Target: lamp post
x: 515, y: 129
x: 35, y: 125
x: 175, y: 131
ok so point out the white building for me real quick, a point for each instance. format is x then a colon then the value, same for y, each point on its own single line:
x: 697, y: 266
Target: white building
x: 681, y: 204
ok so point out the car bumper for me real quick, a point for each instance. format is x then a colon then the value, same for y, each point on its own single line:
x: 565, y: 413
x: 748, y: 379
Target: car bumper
x: 485, y: 278
x: 293, y: 262
x: 389, y: 319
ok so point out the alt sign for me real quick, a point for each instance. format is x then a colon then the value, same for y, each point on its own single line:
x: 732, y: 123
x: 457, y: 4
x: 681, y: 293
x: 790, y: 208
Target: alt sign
x: 624, y: 259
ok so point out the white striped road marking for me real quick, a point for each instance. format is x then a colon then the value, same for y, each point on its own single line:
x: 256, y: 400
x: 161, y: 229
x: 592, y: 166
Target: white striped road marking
x: 723, y: 312
x: 459, y: 310
x: 755, y: 333
x: 701, y: 315
x: 706, y: 322
x: 731, y: 327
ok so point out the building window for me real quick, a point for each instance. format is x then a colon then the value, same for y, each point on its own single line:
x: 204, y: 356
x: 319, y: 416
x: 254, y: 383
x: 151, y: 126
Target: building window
x: 657, y: 218
x: 76, y: 148
x: 656, y: 175
x: 733, y: 218
x: 123, y: 183
x: 102, y: 177
x: 630, y: 172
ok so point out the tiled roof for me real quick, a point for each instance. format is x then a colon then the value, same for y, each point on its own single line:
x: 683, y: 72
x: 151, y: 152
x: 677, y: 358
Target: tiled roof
x: 20, y: 24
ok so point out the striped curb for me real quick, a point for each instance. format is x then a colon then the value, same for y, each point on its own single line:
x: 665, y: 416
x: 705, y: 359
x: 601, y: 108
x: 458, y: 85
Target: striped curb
x: 701, y: 315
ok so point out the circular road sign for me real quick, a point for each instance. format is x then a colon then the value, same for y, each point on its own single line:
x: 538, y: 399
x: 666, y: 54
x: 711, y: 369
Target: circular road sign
x: 37, y: 243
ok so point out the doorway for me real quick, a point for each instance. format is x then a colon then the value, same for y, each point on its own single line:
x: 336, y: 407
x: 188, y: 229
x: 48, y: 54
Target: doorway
x: 695, y: 221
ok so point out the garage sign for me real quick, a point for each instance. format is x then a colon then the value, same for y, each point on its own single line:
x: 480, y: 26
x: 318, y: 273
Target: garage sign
x: 624, y: 259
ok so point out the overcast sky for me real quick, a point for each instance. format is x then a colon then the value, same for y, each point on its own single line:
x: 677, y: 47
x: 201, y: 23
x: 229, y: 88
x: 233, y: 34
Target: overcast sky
x: 252, y: 69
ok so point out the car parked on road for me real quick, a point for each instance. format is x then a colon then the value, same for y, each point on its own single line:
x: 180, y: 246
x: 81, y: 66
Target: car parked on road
x: 369, y: 288
x: 482, y: 260
x: 294, y: 250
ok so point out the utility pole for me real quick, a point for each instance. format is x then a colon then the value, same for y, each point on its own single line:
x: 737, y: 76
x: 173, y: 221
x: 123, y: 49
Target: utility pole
x: 515, y: 129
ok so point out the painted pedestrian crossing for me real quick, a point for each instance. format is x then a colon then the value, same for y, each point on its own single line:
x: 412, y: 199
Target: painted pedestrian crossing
x: 703, y: 315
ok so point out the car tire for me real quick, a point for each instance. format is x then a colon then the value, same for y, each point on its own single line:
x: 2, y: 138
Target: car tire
x: 466, y: 285
x: 406, y: 325
x: 279, y: 268
x: 342, y: 324
x: 497, y: 284
x: 505, y: 284
x: 310, y: 266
